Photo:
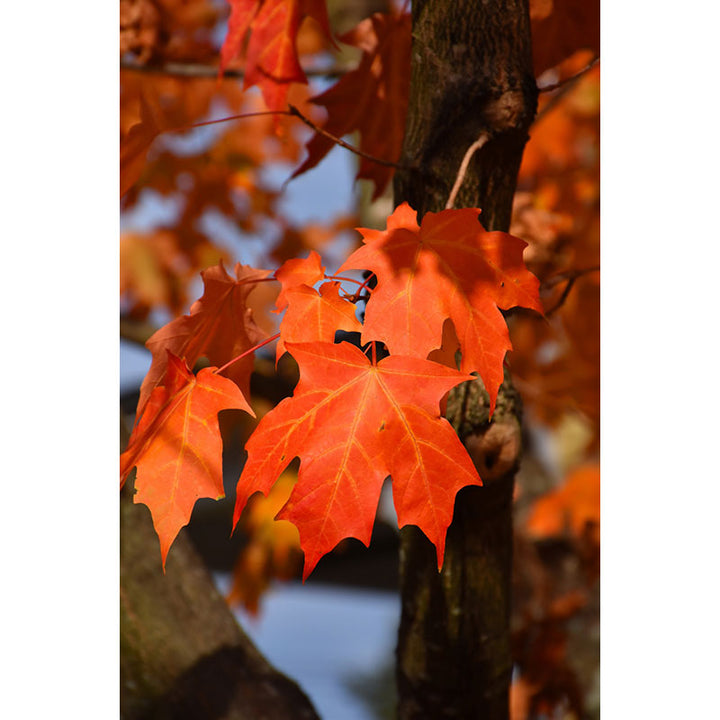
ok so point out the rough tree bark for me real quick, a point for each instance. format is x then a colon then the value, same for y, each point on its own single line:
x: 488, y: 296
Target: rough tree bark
x: 182, y: 655
x: 471, y: 76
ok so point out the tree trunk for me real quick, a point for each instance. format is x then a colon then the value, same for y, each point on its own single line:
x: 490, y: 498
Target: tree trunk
x: 471, y: 76
x: 182, y: 654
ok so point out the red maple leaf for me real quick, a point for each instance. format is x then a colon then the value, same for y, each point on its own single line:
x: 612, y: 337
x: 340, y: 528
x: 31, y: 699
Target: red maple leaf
x: 177, y: 447
x: 449, y: 267
x: 271, y: 57
x: 353, y: 422
x: 296, y: 272
x: 220, y: 327
x: 372, y: 99
x: 314, y: 315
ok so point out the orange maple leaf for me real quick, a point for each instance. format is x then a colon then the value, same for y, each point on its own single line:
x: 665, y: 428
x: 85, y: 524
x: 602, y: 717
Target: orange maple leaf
x: 571, y: 506
x: 353, y: 422
x: 316, y: 315
x: 372, y: 99
x: 220, y: 326
x: 273, y: 548
x: 296, y: 272
x: 136, y: 141
x: 271, y: 57
x: 177, y: 447
x: 449, y: 267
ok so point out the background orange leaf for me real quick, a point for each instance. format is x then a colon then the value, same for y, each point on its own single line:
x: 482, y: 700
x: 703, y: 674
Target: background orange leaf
x: 273, y: 548
x: 271, y: 57
x: 570, y: 507
x: 371, y: 99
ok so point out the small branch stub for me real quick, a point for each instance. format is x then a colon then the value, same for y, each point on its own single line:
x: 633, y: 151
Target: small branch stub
x: 463, y: 169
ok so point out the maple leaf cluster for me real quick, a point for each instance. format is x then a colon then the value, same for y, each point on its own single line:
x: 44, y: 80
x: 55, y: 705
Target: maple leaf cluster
x: 353, y: 419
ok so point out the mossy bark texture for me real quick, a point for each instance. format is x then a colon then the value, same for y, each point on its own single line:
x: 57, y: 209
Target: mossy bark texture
x: 182, y: 654
x: 471, y: 76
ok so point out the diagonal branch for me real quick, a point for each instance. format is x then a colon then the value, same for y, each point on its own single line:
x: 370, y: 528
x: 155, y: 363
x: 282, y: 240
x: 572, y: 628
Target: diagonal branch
x: 200, y: 71
x: 135, y: 331
x: 339, y: 141
x: 555, y: 86
x: 563, y: 87
x: 571, y: 277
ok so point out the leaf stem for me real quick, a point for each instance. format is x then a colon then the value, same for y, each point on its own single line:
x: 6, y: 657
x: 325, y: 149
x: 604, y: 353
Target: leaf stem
x: 561, y: 277
x: 365, y: 285
x: 247, y: 352
x: 340, y: 278
x: 271, y: 278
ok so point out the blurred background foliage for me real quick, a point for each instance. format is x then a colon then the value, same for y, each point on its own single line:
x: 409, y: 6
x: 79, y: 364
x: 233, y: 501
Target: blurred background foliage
x: 194, y: 196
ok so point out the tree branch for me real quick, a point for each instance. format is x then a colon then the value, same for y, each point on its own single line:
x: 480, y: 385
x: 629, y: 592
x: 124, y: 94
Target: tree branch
x: 571, y: 277
x: 571, y: 79
x: 183, y: 655
x: 339, y: 141
x: 563, y: 89
x: 200, y: 71
x: 135, y: 331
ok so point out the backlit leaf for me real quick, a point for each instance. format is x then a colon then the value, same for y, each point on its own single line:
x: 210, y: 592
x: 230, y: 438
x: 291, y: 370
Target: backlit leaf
x: 353, y: 422
x: 449, y: 267
x: 177, y: 447
x: 219, y: 327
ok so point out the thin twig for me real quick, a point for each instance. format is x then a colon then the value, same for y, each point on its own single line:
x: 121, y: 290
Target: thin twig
x: 561, y: 277
x: 241, y: 116
x: 562, y: 299
x: 135, y: 331
x: 572, y: 78
x: 292, y: 112
x: 463, y: 168
x: 563, y: 89
x: 199, y: 71
x: 338, y: 141
x: 566, y: 291
x: 342, y: 278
